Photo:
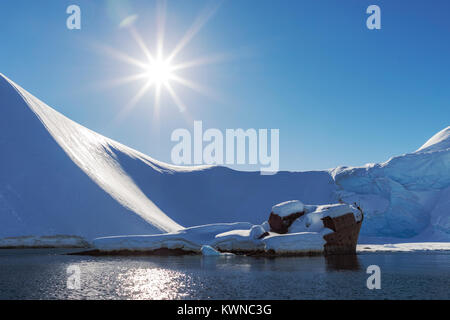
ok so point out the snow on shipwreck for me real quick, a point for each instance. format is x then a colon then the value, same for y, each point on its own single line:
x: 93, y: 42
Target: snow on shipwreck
x: 292, y: 229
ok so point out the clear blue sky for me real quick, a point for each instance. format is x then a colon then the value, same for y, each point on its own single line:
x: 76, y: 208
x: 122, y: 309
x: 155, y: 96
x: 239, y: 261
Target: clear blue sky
x: 339, y: 93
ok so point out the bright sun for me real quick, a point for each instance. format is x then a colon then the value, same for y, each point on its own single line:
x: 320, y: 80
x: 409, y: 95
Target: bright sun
x: 159, y: 72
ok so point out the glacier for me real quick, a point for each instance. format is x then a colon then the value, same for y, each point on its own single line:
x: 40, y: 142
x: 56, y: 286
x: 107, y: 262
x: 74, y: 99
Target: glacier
x: 60, y: 178
x: 407, y: 196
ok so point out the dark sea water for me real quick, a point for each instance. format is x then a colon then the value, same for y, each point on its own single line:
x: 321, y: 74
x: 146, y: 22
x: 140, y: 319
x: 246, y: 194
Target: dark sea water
x: 43, y: 274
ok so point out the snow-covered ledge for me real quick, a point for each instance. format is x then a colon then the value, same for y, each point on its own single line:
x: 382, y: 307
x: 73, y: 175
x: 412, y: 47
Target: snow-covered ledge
x: 322, y: 229
x: 34, y: 242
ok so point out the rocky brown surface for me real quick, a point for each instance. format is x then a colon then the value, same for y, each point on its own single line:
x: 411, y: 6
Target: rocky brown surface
x: 342, y: 241
x: 345, y: 236
x: 281, y: 224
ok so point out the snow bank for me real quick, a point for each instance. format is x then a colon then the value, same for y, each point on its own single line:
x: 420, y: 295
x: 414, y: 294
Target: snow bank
x: 59, y: 241
x: 224, y: 237
x: 206, y: 243
x: 404, y: 247
x: 237, y: 237
x: 237, y: 240
x: 189, y: 239
x: 256, y: 232
x: 289, y: 207
x: 266, y: 226
x: 294, y: 243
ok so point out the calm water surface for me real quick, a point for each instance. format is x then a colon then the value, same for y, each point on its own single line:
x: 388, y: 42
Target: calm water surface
x: 42, y: 274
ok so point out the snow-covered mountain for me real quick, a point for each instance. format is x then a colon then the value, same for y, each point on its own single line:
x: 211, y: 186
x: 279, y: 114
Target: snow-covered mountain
x: 57, y: 177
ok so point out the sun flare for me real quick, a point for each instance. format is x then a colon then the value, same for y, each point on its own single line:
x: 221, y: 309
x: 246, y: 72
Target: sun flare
x: 158, y: 71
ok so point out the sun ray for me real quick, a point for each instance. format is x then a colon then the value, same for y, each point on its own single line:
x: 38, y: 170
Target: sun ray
x: 135, y: 100
x: 141, y: 43
x: 121, y: 56
x: 198, y: 24
x: 160, y: 27
x: 125, y: 80
x: 208, y: 92
x: 176, y: 99
x: 157, y: 100
x: 212, y: 59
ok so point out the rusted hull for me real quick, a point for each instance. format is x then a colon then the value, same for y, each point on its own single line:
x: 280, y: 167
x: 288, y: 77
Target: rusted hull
x: 345, y: 236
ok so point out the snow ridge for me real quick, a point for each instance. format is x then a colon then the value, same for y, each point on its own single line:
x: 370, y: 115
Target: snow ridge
x: 439, y: 142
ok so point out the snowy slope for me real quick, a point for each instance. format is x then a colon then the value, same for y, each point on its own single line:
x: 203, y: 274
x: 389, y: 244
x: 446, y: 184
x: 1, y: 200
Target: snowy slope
x: 57, y: 177
x: 439, y: 142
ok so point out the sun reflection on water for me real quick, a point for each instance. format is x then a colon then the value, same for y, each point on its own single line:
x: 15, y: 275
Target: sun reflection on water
x: 154, y: 284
